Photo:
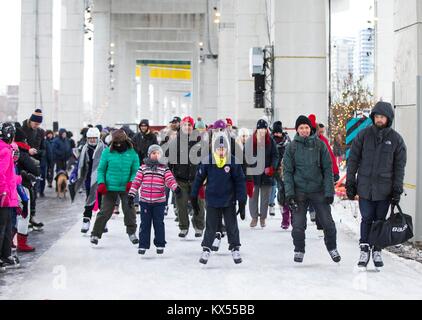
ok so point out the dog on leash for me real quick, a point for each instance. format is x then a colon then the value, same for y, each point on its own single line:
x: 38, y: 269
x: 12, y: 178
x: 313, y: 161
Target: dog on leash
x: 61, y: 184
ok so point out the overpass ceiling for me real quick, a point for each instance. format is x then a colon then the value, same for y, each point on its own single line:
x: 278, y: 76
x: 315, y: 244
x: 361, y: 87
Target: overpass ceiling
x: 158, y: 35
x: 161, y: 46
x: 171, y: 21
x: 151, y: 6
x: 160, y: 56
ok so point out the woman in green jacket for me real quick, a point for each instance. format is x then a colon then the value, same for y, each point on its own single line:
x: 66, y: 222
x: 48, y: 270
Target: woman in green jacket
x: 118, y: 166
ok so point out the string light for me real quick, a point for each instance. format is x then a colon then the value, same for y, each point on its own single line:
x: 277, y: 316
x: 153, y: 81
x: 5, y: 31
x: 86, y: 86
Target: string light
x: 353, y: 98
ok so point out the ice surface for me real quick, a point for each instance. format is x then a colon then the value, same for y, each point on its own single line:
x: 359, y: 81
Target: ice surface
x: 73, y: 269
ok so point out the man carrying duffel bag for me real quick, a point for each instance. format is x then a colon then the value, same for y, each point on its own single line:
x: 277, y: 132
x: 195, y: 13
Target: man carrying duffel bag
x: 378, y: 156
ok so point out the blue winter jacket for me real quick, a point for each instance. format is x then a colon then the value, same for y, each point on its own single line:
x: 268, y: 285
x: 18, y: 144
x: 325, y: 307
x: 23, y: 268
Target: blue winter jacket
x: 61, y: 148
x: 224, y: 186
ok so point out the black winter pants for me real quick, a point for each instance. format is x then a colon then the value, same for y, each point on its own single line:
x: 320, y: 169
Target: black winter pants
x: 213, y: 220
x: 323, y: 212
x: 5, y: 232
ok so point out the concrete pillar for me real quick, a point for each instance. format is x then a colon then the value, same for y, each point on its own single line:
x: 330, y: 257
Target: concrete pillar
x: 226, y: 60
x: 145, y: 98
x: 299, y: 31
x: 156, y: 107
x: 70, y: 115
x: 124, y: 96
x: 36, y: 75
x: 407, y: 66
x: 130, y: 115
x: 384, y: 50
x: 250, y: 17
x: 102, y: 96
x: 209, y: 90
x: 196, y: 86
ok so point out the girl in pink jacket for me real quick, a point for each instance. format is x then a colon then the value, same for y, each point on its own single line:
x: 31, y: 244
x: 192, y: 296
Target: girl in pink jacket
x: 8, y: 195
x: 152, y: 179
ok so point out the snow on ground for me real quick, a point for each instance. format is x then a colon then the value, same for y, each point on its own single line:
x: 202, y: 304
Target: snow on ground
x: 73, y: 269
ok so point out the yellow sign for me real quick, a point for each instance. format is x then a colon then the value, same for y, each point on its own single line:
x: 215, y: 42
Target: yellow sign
x: 165, y: 73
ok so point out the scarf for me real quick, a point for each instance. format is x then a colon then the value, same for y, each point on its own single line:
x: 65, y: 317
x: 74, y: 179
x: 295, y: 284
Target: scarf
x: 152, y: 164
x: 220, y: 162
x: 122, y: 148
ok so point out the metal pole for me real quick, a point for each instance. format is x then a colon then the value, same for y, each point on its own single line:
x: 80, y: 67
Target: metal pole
x: 418, y: 213
x: 329, y: 68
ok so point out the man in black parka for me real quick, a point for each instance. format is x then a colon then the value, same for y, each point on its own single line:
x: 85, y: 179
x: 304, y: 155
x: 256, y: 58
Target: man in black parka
x: 378, y: 157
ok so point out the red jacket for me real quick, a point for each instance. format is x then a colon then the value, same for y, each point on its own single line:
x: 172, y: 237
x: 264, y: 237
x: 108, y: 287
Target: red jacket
x: 333, y: 158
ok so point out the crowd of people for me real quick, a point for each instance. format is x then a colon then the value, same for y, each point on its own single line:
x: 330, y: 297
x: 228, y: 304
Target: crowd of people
x: 208, y: 173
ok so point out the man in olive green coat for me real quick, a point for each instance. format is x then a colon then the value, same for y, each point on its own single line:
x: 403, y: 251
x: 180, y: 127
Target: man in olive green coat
x: 308, y: 178
x: 118, y: 166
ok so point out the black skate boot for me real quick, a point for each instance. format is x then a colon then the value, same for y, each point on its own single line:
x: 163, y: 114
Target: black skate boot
x: 364, y: 255
x: 36, y: 226
x: 377, y: 258
x: 236, y: 256
x: 216, y: 244
x: 11, y: 263
x: 205, y: 256
x: 335, y: 255
x: 299, y: 256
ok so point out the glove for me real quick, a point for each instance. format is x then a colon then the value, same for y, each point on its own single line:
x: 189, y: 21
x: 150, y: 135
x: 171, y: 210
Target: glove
x: 241, y: 209
x: 201, y: 193
x: 178, y: 192
x: 351, y: 191
x: 395, y: 198
x: 131, y: 201
x: 336, y: 178
x: 128, y: 186
x: 292, y: 204
x: 329, y: 200
x: 249, y: 188
x: 2, y: 198
x: 269, y: 171
x: 195, y: 205
x: 102, y: 189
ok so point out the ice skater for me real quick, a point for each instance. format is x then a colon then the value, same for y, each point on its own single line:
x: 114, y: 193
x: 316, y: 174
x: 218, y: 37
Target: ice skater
x: 151, y: 180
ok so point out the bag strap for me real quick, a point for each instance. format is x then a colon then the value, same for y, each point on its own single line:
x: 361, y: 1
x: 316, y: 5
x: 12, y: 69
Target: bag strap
x: 400, y: 212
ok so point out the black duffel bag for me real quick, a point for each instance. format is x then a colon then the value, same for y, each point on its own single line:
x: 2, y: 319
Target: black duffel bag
x: 397, y: 229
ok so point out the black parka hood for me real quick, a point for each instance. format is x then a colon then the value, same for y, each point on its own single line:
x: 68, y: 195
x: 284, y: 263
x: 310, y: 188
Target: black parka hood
x: 385, y: 109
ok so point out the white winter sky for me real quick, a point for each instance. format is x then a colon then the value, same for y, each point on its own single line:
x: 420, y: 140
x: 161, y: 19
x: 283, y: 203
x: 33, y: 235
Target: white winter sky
x: 346, y: 23
x: 354, y: 17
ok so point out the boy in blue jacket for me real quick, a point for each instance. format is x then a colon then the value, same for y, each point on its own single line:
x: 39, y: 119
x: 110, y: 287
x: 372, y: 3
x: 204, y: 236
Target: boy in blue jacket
x: 226, y: 184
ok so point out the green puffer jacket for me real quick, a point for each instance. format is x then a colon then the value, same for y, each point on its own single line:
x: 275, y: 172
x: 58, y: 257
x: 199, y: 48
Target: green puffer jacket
x: 308, y: 168
x: 117, y: 169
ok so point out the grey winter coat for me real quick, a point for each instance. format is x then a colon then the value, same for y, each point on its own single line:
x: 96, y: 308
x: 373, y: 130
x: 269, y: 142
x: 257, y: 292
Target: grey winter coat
x: 378, y: 156
x: 83, y: 167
